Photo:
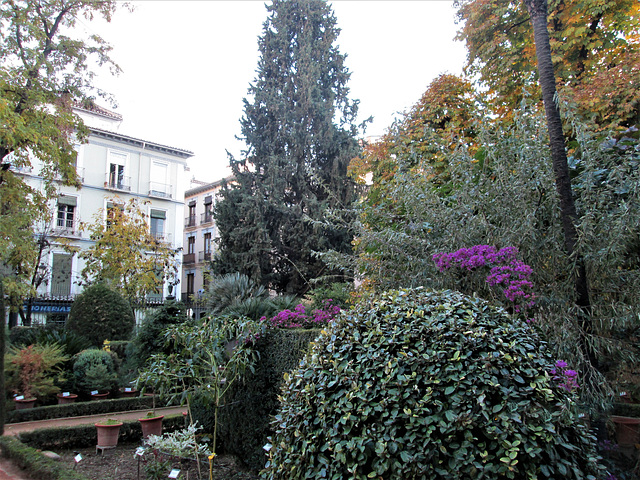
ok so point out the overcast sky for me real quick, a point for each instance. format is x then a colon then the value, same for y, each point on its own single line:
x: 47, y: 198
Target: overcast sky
x: 187, y: 66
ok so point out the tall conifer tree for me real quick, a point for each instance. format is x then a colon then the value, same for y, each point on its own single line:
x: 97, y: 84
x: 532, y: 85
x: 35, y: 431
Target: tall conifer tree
x: 299, y: 126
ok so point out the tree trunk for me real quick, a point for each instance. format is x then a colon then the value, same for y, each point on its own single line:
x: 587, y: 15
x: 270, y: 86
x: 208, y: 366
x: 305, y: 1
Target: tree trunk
x: 538, y: 13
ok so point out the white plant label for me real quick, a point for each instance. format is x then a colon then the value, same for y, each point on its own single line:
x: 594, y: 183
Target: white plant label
x: 94, y: 392
x: 127, y: 389
x: 21, y: 397
x: 174, y: 473
x: 78, y: 458
x: 139, y: 451
x: 65, y: 394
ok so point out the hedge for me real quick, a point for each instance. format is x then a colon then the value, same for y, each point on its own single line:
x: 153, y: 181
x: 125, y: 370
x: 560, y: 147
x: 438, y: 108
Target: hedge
x: 86, y: 435
x: 248, y: 408
x: 79, y: 409
x: 35, y: 463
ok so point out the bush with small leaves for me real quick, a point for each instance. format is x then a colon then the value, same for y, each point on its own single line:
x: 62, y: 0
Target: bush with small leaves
x: 95, y: 370
x: 100, y: 313
x: 419, y: 384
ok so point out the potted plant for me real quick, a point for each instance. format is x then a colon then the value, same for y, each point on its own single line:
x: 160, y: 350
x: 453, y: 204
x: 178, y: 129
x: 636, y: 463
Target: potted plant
x: 95, y: 373
x: 128, y: 392
x: 66, y: 397
x: 31, y: 371
x: 151, y: 424
x: 108, y: 432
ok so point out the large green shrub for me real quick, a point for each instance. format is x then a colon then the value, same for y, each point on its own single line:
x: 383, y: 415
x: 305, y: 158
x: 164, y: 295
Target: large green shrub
x: 420, y: 384
x: 95, y: 370
x: 100, y: 313
x: 249, y: 406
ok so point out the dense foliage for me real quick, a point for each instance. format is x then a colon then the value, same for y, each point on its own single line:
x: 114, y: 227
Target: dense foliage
x: 95, y: 370
x: 299, y: 126
x: 33, y: 371
x: 250, y: 405
x: 424, y: 384
x: 100, y: 313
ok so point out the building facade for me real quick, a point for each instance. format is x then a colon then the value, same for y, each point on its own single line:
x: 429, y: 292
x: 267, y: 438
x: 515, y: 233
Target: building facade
x: 200, y: 233
x: 110, y: 165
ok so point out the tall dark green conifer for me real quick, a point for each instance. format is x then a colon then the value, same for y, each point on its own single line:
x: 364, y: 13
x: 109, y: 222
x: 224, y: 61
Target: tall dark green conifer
x: 299, y: 126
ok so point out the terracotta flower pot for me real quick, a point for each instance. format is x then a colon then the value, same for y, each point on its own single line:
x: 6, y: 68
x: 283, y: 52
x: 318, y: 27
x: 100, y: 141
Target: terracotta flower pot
x: 64, y: 399
x: 24, y: 403
x: 151, y: 425
x: 627, y: 430
x: 128, y: 393
x: 99, y: 396
x: 108, y: 434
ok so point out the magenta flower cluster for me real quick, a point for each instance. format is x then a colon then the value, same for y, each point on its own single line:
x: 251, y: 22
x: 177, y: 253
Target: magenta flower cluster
x: 298, y: 317
x: 506, y: 271
x: 566, y: 377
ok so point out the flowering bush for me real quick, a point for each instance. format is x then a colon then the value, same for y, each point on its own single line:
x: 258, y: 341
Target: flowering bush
x: 506, y: 271
x: 566, y: 377
x: 298, y: 318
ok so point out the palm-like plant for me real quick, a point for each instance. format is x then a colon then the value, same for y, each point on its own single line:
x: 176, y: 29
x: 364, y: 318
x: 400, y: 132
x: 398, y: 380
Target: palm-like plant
x: 230, y: 290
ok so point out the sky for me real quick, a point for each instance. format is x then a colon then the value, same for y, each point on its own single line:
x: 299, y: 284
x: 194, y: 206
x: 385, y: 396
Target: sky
x: 187, y: 65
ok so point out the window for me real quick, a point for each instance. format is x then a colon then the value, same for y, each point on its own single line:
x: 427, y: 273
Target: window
x: 191, y: 245
x: 116, y: 174
x: 159, y: 184
x: 157, y: 221
x: 208, y: 209
x: 61, y: 275
x: 191, y: 219
x: 207, y: 243
x: 66, y: 212
x: 191, y: 281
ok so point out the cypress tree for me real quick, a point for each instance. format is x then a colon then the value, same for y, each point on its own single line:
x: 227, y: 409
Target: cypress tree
x: 299, y: 128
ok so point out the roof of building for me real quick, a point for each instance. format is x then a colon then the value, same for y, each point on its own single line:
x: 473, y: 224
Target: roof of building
x: 145, y: 144
x: 92, y: 107
x: 206, y: 186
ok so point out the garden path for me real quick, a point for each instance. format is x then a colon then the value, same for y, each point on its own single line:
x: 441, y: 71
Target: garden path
x: 9, y: 471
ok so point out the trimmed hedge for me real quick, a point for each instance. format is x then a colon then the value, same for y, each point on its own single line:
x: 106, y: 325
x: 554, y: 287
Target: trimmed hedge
x: 34, y: 462
x: 247, y: 410
x: 86, y: 435
x: 79, y: 409
x: 626, y: 409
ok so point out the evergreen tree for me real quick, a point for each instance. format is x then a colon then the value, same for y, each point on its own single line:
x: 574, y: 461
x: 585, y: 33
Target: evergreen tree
x: 299, y: 127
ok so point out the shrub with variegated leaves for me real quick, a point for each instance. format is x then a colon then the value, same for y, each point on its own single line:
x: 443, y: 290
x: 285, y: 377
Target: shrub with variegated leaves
x: 418, y: 384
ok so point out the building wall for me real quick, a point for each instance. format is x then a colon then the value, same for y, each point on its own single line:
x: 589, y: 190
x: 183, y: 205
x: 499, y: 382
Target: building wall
x: 152, y: 173
x: 198, y: 224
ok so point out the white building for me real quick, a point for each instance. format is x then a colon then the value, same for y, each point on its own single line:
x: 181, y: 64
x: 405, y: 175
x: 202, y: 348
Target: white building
x: 110, y: 164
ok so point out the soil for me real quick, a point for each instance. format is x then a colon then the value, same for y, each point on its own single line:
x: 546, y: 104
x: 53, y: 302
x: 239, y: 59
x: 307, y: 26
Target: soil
x: 121, y: 463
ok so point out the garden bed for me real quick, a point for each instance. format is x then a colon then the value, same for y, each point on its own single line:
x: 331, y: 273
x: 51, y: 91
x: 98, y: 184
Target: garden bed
x: 122, y: 464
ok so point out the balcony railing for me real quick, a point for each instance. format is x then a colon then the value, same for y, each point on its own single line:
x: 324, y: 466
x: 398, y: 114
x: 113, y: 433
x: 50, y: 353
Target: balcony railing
x: 190, y: 221
x: 116, y: 182
x: 160, y: 190
x: 65, y: 227
x: 161, y: 236
x: 204, y: 256
x: 206, y: 218
x: 189, y: 258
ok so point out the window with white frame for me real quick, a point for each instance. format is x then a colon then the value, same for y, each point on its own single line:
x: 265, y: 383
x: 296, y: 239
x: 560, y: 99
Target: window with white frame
x: 157, y: 224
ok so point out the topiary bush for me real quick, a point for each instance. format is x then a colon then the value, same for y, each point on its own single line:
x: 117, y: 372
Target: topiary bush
x: 95, y: 370
x: 419, y: 384
x: 100, y: 313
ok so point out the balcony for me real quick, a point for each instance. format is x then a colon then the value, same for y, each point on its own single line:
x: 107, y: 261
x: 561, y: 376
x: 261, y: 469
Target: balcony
x: 160, y: 190
x: 65, y: 228
x: 206, y: 218
x: 162, y: 237
x: 118, y: 183
x: 190, y: 221
x: 188, y: 258
x: 204, y: 256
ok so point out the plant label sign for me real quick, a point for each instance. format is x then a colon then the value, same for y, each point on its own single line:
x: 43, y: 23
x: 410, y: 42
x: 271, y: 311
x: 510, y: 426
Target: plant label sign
x: 94, y: 392
x: 20, y: 397
x: 65, y: 394
x: 174, y: 473
x: 139, y: 451
x: 77, y: 458
x: 127, y: 389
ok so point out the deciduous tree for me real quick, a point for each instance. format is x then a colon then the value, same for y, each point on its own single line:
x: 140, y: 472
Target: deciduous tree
x: 125, y: 254
x: 43, y: 70
x: 299, y: 126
